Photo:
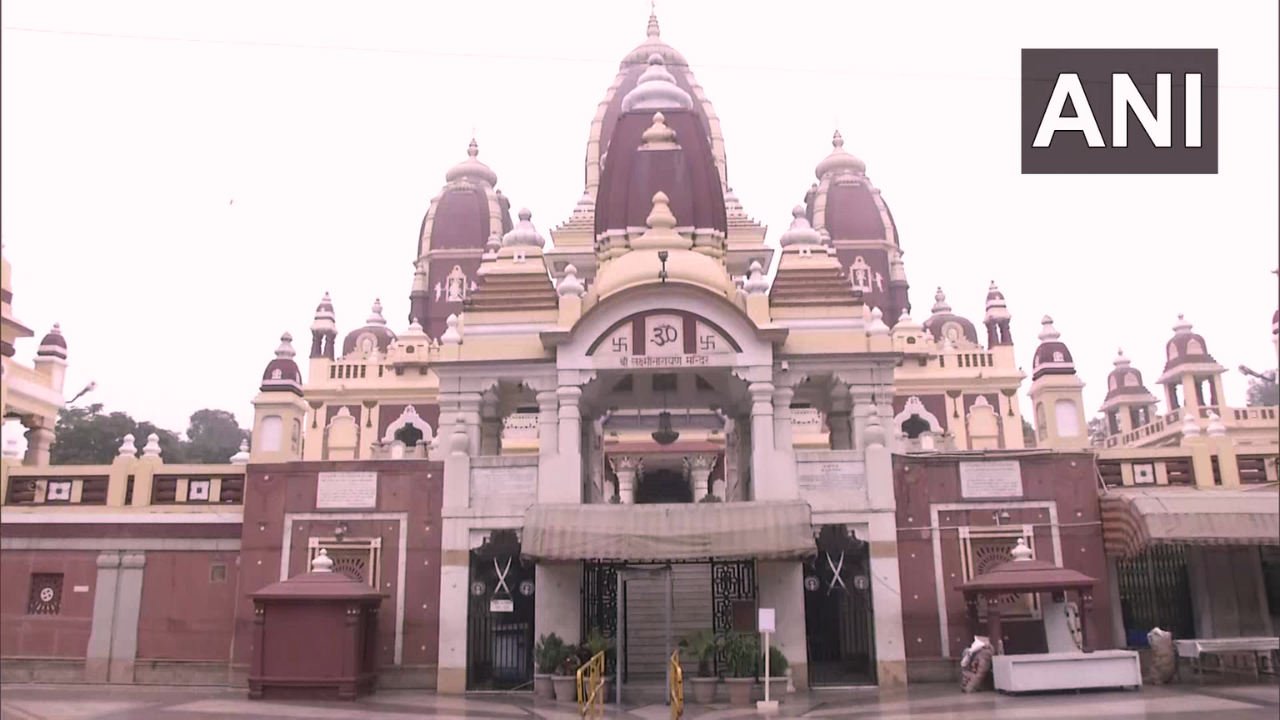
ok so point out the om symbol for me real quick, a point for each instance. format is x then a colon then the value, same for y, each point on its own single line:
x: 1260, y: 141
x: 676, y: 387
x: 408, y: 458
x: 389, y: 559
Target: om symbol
x: 664, y: 334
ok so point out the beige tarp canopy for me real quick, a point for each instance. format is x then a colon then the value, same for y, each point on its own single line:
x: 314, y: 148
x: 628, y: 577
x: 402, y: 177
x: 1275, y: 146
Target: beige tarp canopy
x: 736, y: 530
x: 1132, y: 520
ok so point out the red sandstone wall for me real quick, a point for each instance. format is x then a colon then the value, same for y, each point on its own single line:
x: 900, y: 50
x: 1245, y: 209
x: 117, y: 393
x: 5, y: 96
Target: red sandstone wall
x: 1066, y: 478
x: 410, y: 486
x: 187, y: 614
x: 65, y: 635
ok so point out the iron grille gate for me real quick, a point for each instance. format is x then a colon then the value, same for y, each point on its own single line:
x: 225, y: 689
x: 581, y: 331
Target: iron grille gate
x: 733, y: 597
x: 839, y: 617
x: 500, y: 615
x: 1155, y: 592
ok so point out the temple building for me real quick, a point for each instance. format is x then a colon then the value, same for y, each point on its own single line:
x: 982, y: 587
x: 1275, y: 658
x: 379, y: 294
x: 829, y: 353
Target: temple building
x: 31, y: 394
x: 651, y: 424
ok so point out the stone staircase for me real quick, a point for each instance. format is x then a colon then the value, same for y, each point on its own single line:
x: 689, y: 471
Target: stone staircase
x: 646, y: 618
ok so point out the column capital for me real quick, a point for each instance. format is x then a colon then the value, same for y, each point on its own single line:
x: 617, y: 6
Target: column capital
x: 626, y: 463
x: 568, y: 394
x: 701, y: 463
x: 548, y: 400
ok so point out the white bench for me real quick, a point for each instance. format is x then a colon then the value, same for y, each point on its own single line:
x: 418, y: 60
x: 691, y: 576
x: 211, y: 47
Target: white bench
x: 1258, y: 647
x: 1066, y: 671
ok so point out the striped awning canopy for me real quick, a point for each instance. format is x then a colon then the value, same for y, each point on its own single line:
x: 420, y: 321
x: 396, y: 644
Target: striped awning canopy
x: 727, y: 531
x: 1134, y: 519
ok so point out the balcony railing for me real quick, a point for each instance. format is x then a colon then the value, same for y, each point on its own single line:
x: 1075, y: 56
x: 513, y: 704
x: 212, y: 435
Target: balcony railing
x: 520, y: 434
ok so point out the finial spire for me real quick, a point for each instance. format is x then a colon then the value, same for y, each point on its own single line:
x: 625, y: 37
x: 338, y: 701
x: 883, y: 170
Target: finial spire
x: 652, y: 30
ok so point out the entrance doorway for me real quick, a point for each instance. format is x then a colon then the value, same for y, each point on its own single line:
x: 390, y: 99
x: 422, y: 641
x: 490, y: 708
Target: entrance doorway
x: 500, y: 615
x: 839, y: 618
x: 647, y: 609
x: 664, y: 486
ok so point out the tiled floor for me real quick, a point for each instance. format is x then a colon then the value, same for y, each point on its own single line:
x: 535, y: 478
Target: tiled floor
x: 925, y: 702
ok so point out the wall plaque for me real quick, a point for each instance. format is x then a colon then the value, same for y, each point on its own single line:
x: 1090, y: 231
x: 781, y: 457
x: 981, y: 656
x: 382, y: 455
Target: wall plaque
x: 840, y: 476
x: 991, y: 479
x: 504, y: 487
x: 347, y: 490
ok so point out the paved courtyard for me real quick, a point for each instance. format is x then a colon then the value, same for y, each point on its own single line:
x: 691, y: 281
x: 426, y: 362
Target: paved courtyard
x: 930, y: 702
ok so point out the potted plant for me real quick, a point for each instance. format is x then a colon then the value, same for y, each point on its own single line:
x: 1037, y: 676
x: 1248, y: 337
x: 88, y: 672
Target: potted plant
x: 597, y: 643
x: 742, y: 655
x: 702, y: 647
x: 778, y: 665
x: 566, y: 678
x: 547, y: 655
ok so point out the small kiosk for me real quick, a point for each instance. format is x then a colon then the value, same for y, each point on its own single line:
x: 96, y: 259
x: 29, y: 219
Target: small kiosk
x: 1071, y: 670
x: 314, y: 636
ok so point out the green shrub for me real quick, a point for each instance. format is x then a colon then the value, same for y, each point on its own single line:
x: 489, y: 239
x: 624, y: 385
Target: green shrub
x: 702, y: 647
x: 549, y: 652
x: 778, y: 662
x: 742, y: 654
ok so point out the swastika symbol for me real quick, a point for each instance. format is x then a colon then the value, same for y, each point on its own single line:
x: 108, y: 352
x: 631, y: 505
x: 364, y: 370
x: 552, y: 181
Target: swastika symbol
x: 620, y: 344
x: 707, y: 342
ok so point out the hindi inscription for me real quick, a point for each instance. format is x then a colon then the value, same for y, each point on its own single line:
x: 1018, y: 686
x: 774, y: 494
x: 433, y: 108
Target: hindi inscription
x: 347, y: 490
x: 991, y: 479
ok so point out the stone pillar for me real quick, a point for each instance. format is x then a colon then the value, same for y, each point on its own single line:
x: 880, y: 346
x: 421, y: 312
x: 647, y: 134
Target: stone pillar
x: 469, y: 416
x: 761, y: 439
x: 490, y: 424
x: 39, y: 440
x: 838, y: 420
x: 557, y: 600
x: 455, y: 571
x: 700, y: 467
x: 860, y: 400
x: 782, y: 418
x: 124, y: 626
x: 626, y: 467
x: 548, y: 422
x: 569, y: 477
x: 781, y: 586
x: 97, y: 663
x: 886, y: 600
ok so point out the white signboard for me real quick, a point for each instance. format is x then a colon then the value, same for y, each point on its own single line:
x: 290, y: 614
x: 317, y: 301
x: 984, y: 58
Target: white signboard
x: 765, y: 623
x: 347, y: 490
x: 991, y: 479
x: 842, y: 476
x: 496, y: 605
x: 504, y: 487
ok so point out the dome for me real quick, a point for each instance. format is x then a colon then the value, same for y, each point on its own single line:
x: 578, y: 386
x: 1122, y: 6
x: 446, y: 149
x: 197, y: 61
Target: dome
x: 375, y: 335
x: 682, y: 167
x: 643, y: 266
x: 800, y: 232
x: 1052, y: 356
x: 468, y: 209
x: 635, y: 65
x: 839, y: 161
x: 53, y: 344
x: 282, y: 373
x: 1126, y: 380
x: 524, y: 234
x: 472, y: 168
x: 945, y: 324
x: 656, y: 89
x: 1185, y: 346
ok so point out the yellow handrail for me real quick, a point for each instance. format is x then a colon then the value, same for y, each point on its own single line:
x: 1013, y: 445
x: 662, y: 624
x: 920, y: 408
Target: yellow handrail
x: 591, y: 692
x: 677, y: 687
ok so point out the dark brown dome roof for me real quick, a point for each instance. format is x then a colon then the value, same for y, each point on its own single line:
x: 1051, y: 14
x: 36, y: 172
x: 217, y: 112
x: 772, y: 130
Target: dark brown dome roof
x: 53, y: 344
x: 1125, y: 380
x: 282, y: 373
x: 1052, y: 357
x: 685, y: 171
x: 942, y: 316
x: 1185, y: 346
x: 375, y: 329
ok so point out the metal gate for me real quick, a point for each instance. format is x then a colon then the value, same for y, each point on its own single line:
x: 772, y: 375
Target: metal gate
x: 500, y: 615
x: 1155, y: 592
x: 839, y: 618
x: 733, y: 598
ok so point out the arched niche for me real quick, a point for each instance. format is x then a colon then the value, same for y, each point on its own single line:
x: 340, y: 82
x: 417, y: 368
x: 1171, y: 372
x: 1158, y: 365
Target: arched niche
x: 409, y: 418
x: 915, y: 418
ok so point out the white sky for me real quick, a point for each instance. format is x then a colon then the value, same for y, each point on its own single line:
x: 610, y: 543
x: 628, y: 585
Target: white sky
x: 121, y: 155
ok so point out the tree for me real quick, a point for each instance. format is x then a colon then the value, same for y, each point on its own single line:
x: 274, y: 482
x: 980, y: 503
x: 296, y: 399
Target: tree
x: 1263, y: 393
x: 213, y: 436
x: 88, y: 436
x: 1028, y: 434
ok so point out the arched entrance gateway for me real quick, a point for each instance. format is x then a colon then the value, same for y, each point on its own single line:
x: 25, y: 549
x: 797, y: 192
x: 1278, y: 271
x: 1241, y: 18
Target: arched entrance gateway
x: 668, y: 446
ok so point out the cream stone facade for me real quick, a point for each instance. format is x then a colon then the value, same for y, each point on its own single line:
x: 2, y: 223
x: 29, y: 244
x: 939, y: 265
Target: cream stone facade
x: 33, y: 394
